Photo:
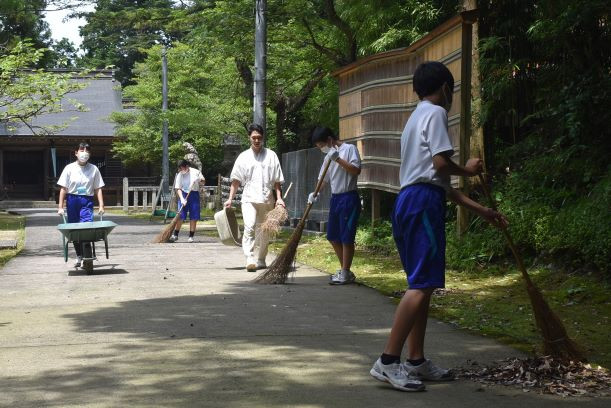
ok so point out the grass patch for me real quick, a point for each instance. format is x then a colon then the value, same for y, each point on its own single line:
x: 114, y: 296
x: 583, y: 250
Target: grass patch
x: 12, y: 223
x: 493, y: 301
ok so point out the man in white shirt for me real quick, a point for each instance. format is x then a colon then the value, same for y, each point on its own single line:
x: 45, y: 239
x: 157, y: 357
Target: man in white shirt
x: 258, y: 171
x: 345, y: 205
x: 187, y: 183
x: 79, y: 182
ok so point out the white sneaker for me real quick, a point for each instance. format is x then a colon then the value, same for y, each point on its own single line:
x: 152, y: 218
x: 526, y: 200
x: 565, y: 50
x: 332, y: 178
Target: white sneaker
x: 428, y: 371
x: 261, y: 264
x: 173, y: 238
x: 335, y: 276
x: 251, y: 265
x: 79, y: 262
x: 190, y: 239
x: 343, y: 277
x: 395, y: 375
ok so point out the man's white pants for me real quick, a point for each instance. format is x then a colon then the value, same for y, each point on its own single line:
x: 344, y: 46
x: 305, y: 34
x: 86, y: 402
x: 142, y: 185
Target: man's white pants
x: 255, y: 244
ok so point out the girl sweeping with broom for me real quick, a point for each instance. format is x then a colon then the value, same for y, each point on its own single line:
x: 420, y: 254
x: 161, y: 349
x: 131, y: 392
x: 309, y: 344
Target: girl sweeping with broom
x: 418, y: 222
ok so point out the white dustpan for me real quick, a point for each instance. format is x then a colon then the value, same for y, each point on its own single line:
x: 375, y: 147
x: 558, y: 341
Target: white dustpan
x: 227, y: 226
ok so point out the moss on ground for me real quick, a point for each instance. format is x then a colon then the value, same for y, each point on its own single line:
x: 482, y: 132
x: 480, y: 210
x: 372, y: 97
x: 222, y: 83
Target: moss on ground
x: 493, y: 301
x: 12, y: 223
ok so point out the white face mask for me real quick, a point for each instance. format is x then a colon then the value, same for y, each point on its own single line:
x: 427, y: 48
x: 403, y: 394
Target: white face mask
x: 325, y: 149
x: 82, y: 157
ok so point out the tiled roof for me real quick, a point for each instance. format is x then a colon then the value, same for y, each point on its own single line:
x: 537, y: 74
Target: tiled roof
x: 101, y: 97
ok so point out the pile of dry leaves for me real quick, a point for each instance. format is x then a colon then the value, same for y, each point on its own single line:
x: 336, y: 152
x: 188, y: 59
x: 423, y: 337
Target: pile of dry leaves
x: 543, y: 374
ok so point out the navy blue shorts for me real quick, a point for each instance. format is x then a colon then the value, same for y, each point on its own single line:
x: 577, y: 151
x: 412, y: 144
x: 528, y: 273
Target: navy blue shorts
x: 80, y: 208
x: 418, y: 226
x: 343, y: 217
x: 192, y: 206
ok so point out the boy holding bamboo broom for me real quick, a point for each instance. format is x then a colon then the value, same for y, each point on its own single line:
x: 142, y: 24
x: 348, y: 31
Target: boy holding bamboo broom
x: 345, y: 205
x: 418, y: 222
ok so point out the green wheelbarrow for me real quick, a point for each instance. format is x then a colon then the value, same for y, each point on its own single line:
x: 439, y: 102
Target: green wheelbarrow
x: 85, y: 234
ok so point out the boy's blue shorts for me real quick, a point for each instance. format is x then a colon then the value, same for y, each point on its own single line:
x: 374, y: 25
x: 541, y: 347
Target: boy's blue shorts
x: 343, y: 217
x: 80, y: 208
x: 191, y: 207
x: 418, y: 225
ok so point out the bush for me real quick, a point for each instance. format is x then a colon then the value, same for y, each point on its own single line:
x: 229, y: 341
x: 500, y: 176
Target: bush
x: 377, y: 238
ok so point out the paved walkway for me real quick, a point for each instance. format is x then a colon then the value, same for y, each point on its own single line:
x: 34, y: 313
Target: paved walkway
x: 183, y: 325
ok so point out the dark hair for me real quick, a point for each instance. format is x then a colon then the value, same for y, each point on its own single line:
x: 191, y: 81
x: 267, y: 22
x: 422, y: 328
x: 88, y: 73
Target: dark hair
x: 430, y: 76
x: 322, y: 134
x: 83, y: 145
x: 255, y: 127
x: 184, y: 163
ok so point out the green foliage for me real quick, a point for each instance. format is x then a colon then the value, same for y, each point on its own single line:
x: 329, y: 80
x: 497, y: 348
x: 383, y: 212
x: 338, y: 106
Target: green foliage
x: 117, y: 32
x: 377, y: 238
x: 546, y: 88
x: 203, y: 105
x: 26, y: 92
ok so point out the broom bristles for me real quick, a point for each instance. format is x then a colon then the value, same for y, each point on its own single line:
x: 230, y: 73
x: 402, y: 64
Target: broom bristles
x: 556, y: 341
x: 164, y: 236
x: 279, y: 270
x: 273, y: 221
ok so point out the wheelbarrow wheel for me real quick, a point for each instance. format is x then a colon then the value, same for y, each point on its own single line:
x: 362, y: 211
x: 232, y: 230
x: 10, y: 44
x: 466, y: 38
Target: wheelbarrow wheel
x: 88, y: 265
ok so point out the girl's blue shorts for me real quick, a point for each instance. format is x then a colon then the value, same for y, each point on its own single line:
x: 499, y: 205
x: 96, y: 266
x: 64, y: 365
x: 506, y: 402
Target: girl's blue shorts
x: 192, y: 206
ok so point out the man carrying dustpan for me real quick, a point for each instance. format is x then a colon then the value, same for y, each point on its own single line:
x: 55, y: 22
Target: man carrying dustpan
x: 258, y: 171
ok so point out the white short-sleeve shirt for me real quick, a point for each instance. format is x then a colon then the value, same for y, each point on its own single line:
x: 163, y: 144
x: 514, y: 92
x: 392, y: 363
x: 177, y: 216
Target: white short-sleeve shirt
x: 188, y: 181
x: 81, y: 180
x: 340, y: 180
x: 257, y: 173
x: 424, y: 136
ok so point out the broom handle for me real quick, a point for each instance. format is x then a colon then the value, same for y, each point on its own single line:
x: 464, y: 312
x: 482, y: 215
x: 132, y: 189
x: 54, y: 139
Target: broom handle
x: 316, y: 191
x: 512, y: 246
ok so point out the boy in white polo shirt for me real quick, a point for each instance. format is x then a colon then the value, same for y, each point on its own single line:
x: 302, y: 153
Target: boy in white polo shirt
x: 418, y: 222
x: 345, y: 205
x: 79, y: 182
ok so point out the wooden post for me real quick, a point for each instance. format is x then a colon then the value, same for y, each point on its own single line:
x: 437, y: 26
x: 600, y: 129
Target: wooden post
x: 462, y: 216
x: 135, y: 200
x: 145, y: 199
x: 375, y: 205
x: 45, y: 163
x: 125, y: 194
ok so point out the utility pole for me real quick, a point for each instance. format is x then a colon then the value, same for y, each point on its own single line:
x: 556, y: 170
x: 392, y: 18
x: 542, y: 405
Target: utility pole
x: 260, y: 62
x: 165, y: 160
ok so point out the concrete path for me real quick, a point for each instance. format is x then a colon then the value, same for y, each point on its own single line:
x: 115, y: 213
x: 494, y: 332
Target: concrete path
x: 183, y: 325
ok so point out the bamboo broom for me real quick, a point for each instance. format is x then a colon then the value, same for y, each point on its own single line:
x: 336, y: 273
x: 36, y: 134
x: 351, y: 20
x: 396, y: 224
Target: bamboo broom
x: 164, y: 235
x: 556, y: 341
x: 279, y: 270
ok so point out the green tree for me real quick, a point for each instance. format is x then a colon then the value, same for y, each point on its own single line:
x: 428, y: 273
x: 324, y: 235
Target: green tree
x: 117, y: 32
x: 64, y: 54
x: 204, y: 104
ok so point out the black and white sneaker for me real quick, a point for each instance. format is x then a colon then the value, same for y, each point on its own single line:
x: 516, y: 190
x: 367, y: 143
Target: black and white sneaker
x: 428, y: 371
x: 173, y: 238
x: 395, y: 375
x: 343, y: 277
x: 79, y: 262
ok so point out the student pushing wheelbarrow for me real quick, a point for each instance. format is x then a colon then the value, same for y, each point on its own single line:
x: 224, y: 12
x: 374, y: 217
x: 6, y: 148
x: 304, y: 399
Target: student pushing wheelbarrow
x: 79, y: 181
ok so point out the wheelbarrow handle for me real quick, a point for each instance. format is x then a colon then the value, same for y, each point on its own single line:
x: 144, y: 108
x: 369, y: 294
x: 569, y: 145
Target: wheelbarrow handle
x: 64, y: 218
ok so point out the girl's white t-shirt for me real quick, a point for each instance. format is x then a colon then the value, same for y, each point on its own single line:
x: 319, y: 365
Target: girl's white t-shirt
x: 81, y: 180
x: 188, y: 181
